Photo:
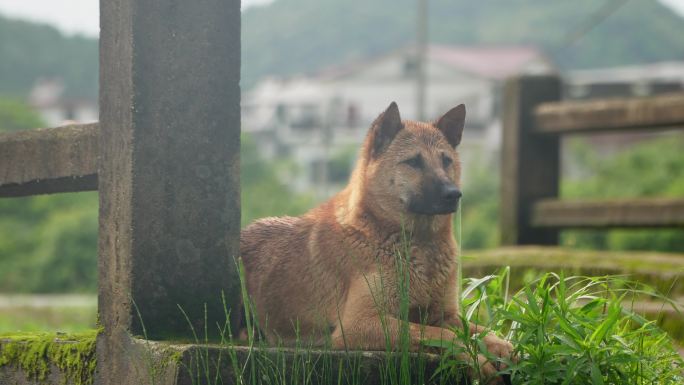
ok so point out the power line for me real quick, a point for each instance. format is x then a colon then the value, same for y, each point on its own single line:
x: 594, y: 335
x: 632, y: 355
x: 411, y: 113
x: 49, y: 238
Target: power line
x: 421, y: 48
x: 592, y: 22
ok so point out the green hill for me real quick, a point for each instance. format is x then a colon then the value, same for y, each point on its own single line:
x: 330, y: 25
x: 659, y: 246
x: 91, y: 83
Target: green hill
x: 292, y: 36
x: 295, y: 36
x: 29, y: 51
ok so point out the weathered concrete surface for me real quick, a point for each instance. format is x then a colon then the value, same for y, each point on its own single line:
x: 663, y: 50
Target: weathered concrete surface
x: 147, y: 363
x: 199, y: 363
x: 662, y: 271
x: 14, y: 375
x: 45, y: 358
x: 169, y: 171
x: 151, y: 362
x: 159, y: 363
x: 51, y: 160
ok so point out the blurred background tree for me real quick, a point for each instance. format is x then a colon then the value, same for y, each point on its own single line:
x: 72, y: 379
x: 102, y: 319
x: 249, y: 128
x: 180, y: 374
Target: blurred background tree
x: 48, y: 243
x: 263, y: 193
x: 337, y: 31
x: 30, y: 51
x: 16, y: 115
x: 480, y: 205
x: 654, y: 168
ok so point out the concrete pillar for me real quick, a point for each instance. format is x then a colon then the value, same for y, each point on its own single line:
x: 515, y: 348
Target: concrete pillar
x: 168, y: 172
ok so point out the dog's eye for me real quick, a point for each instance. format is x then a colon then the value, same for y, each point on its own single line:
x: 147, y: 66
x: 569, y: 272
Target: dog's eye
x: 446, y: 161
x: 415, y: 162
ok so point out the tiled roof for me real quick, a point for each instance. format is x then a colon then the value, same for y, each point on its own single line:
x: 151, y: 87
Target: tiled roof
x: 491, y: 62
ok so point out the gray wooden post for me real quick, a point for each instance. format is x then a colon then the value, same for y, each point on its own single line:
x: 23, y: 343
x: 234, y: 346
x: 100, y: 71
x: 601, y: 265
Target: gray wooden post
x: 168, y: 172
x: 530, y: 161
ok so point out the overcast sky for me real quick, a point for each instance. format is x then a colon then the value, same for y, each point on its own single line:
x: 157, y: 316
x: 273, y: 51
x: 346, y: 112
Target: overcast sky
x: 81, y: 16
x: 70, y: 16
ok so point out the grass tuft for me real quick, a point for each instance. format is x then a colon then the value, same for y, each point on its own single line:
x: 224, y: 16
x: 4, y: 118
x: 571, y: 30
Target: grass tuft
x: 575, y: 330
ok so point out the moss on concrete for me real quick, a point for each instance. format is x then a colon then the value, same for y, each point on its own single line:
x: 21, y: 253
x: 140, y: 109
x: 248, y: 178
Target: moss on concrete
x: 160, y: 357
x: 663, y: 271
x: 539, y: 256
x: 37, y: 353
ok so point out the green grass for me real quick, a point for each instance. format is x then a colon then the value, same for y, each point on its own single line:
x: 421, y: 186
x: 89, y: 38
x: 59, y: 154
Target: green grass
x: 576, y: 330
x: 47, y: 313
x: 36, y: 353
x: 305, y: 363
x: 65, y: 319
x: 566, y: 330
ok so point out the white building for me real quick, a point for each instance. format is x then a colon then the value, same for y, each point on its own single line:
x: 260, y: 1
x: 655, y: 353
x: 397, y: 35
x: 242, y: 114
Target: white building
x: 633, y: 80
x: 623, y: 81
x: 312, y: 118
x: 55, y: 109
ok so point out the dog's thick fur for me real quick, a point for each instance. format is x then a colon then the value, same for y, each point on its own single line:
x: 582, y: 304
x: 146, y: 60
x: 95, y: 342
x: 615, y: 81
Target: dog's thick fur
x: 331, y: 273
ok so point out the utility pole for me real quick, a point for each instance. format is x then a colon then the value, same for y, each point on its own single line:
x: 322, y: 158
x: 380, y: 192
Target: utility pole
x: 421, y: 48
x: 327, y: 138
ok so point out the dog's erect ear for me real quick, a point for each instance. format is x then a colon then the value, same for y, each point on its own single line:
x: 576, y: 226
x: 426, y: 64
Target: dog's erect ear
x: 451, y: 124
x: 384, y: 129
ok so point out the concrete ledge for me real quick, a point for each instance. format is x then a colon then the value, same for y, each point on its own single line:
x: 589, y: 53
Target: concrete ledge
x: 13, y: 375
x: 661, y: 271
x: 51, y: 160
x: 322, y: 367
x: 47, y: 358
x: 163, y: 363
x: 30, y: 359
x: 593, y: 262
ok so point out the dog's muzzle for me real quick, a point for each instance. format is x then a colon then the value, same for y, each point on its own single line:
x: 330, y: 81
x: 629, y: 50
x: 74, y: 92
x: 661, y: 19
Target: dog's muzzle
x: 438, y: 200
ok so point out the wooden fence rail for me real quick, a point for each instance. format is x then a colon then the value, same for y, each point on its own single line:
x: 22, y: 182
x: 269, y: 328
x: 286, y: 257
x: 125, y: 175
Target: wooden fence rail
x: 534, y: 119
x: 642, y: 212
x: 657, y: 112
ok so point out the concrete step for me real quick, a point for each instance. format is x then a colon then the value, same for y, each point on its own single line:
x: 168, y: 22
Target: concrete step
x: 663, y: 271
x: 162, y: 363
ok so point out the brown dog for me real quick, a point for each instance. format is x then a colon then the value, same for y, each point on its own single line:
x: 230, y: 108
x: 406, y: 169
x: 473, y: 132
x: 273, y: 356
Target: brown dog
x: 332, y: 272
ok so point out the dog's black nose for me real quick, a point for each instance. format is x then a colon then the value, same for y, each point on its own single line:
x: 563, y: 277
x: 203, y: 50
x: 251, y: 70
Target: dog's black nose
x: 451, y: 193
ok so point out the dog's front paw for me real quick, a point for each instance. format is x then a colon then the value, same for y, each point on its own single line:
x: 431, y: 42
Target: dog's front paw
x: 488, y: 372
x: 498, y: 347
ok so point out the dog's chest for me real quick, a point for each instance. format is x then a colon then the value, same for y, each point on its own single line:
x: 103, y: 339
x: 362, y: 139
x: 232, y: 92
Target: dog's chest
x: 430, y: 267
x: 426, y: 266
